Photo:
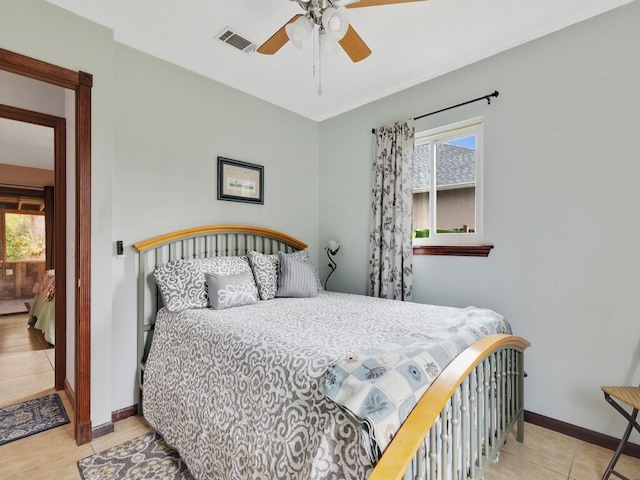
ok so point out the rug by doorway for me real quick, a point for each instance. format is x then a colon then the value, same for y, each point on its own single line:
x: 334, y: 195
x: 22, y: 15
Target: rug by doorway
x: 30, y: 417
x: 147, y: 456
x: 14, y: 307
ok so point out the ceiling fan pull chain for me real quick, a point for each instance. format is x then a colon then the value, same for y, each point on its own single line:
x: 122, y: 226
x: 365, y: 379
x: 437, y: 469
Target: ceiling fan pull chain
x: 314, y: 53
x: 319, y: 62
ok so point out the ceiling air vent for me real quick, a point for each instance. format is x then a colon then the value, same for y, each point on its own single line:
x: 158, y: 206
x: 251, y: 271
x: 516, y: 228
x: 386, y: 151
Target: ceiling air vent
x: 232, y: 38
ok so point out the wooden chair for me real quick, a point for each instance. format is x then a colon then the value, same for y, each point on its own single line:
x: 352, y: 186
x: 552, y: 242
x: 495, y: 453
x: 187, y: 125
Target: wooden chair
x: 631, y: 397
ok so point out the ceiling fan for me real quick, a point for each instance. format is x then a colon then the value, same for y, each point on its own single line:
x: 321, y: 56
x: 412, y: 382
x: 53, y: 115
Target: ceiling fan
x: 331, y: 19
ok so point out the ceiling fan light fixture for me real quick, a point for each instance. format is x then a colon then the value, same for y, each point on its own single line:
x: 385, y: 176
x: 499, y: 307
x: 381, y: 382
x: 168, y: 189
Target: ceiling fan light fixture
x: 299, y: 31
x: 335, y: 22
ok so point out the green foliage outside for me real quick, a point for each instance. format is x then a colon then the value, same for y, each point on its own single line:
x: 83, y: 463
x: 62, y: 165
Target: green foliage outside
x: 424, y: 232
x: 25, y: 235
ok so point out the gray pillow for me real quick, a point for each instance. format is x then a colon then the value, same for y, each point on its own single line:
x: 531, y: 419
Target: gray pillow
x: 296, y: 278
x: 265, y: 271
x: 182, y: 283
x: 227, y: 291
x: 303, y: 256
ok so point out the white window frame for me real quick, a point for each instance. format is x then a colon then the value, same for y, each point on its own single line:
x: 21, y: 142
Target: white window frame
x: 441, y: 135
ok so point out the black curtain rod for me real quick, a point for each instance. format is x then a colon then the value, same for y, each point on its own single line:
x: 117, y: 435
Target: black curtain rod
x: 486, y: 97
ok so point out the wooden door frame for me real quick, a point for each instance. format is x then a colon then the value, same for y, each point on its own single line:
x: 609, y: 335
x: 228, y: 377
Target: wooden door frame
x: 59, y: 227
x: 80, y: 83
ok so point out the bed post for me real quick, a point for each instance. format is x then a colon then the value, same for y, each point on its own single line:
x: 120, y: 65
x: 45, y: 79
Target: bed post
x: 520, y: 421
x: 141, y: 320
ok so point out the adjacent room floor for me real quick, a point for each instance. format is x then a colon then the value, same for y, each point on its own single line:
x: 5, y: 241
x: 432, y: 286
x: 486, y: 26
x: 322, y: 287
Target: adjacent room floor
x: 26, y: 371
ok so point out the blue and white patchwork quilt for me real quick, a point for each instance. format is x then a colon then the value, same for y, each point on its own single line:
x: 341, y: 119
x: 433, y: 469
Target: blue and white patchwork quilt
x: 379, y: 387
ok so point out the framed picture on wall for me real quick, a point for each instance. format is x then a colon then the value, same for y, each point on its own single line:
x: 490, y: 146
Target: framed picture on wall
x: 240, y: 181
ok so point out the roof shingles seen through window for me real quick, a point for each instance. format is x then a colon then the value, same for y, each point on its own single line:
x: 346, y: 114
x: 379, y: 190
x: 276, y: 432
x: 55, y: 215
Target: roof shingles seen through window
x: 457, y: 166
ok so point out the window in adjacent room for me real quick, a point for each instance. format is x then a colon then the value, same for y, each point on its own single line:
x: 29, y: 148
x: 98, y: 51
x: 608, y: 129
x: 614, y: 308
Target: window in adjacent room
x: 448, y: 161
x: 24, y: 237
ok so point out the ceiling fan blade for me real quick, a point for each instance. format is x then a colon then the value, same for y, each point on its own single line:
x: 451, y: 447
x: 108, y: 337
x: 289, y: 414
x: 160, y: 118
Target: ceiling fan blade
x: 375, y: 3
x: 343, y: 3
x: 354, y: 46
x: 277, y: 40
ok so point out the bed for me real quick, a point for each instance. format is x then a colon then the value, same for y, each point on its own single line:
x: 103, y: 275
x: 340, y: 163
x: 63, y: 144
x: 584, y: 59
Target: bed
x: 271, y: 389
x: 42, y: 313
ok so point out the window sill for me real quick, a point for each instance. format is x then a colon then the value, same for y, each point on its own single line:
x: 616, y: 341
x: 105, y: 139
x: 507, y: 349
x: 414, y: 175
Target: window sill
x: 453, y: 250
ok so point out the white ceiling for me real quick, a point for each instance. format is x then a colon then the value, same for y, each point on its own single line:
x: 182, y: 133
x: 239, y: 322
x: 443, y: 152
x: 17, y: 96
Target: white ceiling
x: 26, y: 144
x: 411, y: 42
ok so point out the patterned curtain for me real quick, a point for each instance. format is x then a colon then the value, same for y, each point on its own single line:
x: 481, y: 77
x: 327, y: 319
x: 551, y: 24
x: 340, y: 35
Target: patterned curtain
x: 390, y: 250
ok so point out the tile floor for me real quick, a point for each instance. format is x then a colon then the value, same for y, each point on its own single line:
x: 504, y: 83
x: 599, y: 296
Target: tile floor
x: 548, y: 455
x: 26, y: 372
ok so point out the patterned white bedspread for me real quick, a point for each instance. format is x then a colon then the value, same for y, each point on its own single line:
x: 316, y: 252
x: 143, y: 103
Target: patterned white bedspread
x: 236, y: 391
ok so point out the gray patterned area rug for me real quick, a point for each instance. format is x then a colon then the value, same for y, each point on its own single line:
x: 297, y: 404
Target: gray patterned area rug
x: 147, y: 456
x: 33, y: 416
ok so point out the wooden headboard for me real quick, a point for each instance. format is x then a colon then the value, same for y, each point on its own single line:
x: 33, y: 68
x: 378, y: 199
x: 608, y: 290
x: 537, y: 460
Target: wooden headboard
x: 193, y: 243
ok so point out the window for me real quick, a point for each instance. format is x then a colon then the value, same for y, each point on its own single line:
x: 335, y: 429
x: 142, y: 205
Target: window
x: 448, y: 161
x: 24, y: 237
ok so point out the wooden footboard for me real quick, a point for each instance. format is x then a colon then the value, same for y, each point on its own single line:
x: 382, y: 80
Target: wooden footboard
x: 462, y: 421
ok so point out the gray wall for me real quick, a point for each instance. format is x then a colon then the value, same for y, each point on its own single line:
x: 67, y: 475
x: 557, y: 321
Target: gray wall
x: 157, y: 131
x: 561, y: 206
x: 171, y: 125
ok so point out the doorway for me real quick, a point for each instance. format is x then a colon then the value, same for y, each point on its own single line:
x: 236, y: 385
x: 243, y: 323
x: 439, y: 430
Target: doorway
x: 81, y: 83
x: 56, y: 257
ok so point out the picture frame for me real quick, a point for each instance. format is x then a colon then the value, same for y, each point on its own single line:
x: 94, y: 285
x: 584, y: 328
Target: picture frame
x: 240, y: 181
